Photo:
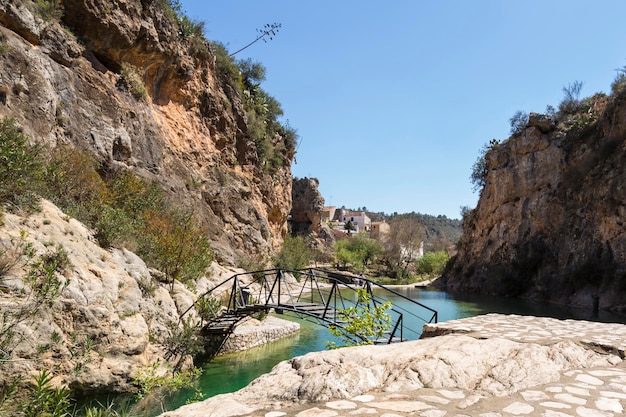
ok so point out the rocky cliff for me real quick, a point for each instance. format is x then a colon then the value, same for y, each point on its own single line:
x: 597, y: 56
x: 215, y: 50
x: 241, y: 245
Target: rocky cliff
x: 549, y: 223
x: 179, y: 122
x: 110, y: 321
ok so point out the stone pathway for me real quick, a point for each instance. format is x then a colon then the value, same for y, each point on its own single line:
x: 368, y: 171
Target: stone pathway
x: 597, y: 392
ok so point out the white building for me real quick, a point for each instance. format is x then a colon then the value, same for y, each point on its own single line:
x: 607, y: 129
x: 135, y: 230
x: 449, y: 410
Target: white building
x: 358, y: 219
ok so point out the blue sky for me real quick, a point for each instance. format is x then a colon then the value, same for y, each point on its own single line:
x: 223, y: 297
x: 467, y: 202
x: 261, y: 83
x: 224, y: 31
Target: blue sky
x: 393, y: 102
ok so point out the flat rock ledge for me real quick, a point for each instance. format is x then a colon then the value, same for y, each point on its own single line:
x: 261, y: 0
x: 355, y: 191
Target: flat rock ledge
x: 487, y: 366
x: 255, y: 333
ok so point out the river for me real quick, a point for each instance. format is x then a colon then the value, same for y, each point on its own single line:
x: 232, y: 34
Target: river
x: 230, y: 372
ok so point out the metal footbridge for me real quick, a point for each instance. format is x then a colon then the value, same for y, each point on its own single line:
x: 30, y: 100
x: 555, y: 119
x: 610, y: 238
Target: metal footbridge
x: 316, y: 295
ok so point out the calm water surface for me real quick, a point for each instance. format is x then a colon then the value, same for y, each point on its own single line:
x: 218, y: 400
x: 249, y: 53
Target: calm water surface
x: 231, y: 372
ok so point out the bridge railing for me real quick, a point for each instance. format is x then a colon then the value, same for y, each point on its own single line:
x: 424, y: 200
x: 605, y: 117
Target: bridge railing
x: 323, y: 291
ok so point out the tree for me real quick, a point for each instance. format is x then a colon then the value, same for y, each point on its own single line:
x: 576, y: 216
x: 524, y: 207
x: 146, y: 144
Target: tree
x: 357, y: 251
x: 405, y: 238
x: 571, y: 99
x: 176, y: 246
x: 518, y: 122
x: 295, y: 254
x: 365, y: 322
x: 432, y: 263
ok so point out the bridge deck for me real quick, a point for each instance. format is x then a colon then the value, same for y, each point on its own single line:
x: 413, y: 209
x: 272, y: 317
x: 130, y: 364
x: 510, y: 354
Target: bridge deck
x: 274, y: 292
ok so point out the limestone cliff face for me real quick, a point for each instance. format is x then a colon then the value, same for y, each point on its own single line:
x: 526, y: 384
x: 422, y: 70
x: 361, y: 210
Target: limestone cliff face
x: 307, y: 206
x: 550, y: 221
x: 59, y: 80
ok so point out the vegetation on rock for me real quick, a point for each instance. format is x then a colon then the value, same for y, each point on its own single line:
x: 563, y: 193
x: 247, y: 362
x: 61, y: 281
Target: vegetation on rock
x: 124, y: 209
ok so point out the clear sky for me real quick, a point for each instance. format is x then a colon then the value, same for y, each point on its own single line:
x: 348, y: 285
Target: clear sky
x: 393, y: 100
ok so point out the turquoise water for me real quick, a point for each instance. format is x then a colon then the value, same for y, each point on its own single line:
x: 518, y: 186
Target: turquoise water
x: 228, y: 373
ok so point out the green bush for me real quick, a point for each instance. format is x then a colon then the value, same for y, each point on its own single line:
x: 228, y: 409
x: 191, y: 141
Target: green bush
x: 45, y: 400
x: 21, y: 168
x: 227, y: 68
x: 184, y: 340
x: 364, y: 323
x: 73, y: 184
x: 114, y: 227
x: 189, y: 28
x: 432, y: 263
x: 174, y: 245
x: 131, y: 80
x: 357, y: 251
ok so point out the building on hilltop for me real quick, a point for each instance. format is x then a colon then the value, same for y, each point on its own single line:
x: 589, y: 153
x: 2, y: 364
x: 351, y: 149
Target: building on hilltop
x: 339, y: 218
x: 380, y: 230
x: 359, y: 219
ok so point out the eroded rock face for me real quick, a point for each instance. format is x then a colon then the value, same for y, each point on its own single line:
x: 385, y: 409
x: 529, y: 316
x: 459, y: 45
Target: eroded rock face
x: 307, y: 206
x: 550, y: 220
x: 190, y: 134
x: 110, y: 318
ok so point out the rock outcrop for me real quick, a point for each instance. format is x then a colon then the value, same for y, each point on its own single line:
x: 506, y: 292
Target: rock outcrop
x: 112, y: 317
x: 306, y: 217
x: 307, y: 206
x: 550, y: 221
x: 60, y: 78
x: 479, y: 364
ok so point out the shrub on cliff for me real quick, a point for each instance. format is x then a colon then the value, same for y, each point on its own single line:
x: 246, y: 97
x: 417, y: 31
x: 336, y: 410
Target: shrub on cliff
x: 73, y: 183
x: 49, y: 9
x: 571, y: 100
x: 130, y: 80
x: 479, y: 169
x: 619, y: 82
x: 21, y: 168
x: 518, y: 122
x: 175, y: 246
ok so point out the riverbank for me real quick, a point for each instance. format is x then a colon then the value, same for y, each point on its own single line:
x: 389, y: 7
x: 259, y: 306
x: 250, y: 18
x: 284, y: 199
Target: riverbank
x: 489, y: 365
x: 253, y: 333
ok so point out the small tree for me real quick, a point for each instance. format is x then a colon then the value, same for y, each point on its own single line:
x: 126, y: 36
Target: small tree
x: 404, y: 243
x: 571, y: 100
x: 365, y: 322
x: 176, y: 246
x: 432, y: 263
x: 295, y: 254
x: 518, y: 122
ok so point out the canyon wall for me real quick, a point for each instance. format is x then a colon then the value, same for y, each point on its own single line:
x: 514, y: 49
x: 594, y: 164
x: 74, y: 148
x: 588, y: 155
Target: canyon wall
x: 550, y: 221
x: 60, y: 78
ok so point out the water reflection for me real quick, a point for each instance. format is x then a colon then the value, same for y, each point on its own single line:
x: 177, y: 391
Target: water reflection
x: 452, y: 307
